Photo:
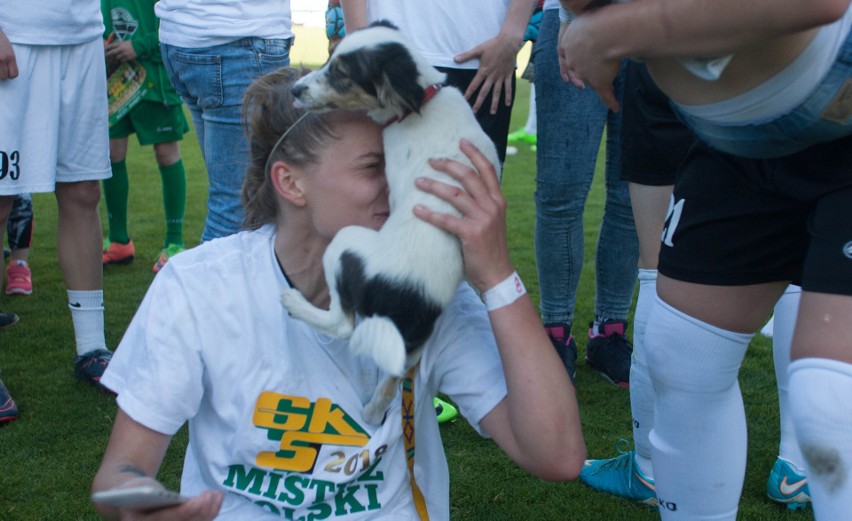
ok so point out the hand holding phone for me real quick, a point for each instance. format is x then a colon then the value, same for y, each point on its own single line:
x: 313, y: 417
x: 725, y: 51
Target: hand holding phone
x: 139, y: 498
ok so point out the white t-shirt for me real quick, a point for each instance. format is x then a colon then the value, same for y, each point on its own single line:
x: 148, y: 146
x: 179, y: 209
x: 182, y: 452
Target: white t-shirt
x: 274, y: 408
x: 51, y: 22
x: 441, y: 29
x: 204, y: 23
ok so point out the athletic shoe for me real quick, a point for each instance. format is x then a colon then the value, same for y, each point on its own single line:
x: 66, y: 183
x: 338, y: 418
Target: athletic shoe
x: 91, y: 366
x: 562, y: 340
x: 7, y: 319
x: 117, y: 253
x: 620, y: 476
x: 788, y: 486
x: 444, y: 410
x: 8, y: 408
x: 168, y: 252
x: 19, y: 279
x: 609, y: 352
x: 521, y: 136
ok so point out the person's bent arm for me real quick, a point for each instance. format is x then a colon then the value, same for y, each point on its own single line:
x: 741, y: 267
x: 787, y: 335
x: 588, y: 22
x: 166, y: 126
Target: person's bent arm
x: 688, y: 28
x: 538, y: 423
x: 592, y: 45
x: 133, y: 458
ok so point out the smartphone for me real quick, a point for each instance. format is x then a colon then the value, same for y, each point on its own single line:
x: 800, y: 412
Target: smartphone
x: 139, y: 498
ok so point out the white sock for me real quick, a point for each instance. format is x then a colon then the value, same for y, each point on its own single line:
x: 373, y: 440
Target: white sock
x: 87, y: 315
x: 642, y: 395
x: 699, y: 436
x: 819, y: 401
x: 531, y: 126
x: 785, y: 314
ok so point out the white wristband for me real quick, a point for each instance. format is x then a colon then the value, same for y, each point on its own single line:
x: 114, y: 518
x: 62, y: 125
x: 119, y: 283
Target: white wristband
x: 565, y: 16
x: 504, y: 293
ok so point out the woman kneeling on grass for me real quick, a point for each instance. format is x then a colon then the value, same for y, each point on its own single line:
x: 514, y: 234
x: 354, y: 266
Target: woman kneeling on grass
x: 275, y: 408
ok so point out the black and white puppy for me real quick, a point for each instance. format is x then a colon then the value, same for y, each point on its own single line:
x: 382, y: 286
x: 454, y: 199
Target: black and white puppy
x: 399, y: 279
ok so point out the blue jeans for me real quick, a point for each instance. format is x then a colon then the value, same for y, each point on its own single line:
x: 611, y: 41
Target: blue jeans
x: 212, y: 82
x: 794, y: 131
x: 570, y: 127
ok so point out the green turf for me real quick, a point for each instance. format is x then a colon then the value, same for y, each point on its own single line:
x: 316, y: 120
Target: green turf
x: 49, y: 456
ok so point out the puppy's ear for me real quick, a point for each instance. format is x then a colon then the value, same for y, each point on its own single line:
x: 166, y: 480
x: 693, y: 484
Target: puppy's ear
x: 388, y: 72
x: 400, y: 87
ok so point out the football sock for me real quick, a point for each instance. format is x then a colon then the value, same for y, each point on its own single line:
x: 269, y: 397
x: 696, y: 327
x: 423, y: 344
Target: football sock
x: 822, y: 412
x: 87, y: 315
x: 642, y: 395
x: 116, y: 190
x: 531, y: 126
x: 699, y: 436
x: 785, y: 314
x: 174, y: 201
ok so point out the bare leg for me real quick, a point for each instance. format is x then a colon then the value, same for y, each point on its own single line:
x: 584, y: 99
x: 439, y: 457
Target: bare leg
x: 79, y: 238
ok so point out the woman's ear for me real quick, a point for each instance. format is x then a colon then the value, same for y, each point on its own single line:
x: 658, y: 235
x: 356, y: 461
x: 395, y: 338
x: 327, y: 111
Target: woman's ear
x: 287, y: 182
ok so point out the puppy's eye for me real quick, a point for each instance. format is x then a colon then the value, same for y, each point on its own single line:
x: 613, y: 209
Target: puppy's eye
x: 337, y: 77
x: 335, y: 70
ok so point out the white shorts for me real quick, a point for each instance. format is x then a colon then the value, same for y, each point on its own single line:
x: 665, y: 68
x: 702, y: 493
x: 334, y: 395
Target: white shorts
x: 53, y: 122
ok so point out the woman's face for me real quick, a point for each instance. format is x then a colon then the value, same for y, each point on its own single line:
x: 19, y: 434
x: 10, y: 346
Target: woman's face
x: 348, y: 186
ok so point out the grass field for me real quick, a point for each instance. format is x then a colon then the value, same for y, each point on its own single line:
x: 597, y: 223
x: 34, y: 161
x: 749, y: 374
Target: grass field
x: 49, y: 456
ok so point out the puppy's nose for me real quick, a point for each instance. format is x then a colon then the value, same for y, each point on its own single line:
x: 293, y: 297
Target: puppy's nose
x: 298, y: 89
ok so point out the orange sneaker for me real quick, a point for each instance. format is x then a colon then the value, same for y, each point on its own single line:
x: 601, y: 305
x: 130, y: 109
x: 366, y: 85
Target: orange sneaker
x: 117, y: 253
x: 19, y: 278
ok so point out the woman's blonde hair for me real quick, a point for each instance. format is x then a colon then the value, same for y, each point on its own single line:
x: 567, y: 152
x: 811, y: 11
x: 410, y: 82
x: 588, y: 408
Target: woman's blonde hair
x: 269, y: 114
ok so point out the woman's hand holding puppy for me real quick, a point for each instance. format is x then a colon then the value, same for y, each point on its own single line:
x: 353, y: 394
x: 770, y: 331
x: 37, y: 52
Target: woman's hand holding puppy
x: 482, y: 226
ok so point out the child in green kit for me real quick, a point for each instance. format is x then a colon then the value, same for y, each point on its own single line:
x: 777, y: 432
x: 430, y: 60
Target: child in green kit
x: 155, y: 114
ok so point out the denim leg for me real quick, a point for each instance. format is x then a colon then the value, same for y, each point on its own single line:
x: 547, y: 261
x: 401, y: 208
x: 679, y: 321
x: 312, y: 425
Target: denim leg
x: 212, y: 82
x: 570, y: 127
x: 617, y: 254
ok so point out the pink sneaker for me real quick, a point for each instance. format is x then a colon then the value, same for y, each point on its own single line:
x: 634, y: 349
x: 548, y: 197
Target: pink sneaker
x: 19, y: 278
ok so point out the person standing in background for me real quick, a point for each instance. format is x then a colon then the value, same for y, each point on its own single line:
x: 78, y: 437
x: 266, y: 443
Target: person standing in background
x: 54, y: 138
x: 19, y: 227
x: 474, y: 43
x: 570, y: 128
x: 212, y: 51
x: 156, y: 118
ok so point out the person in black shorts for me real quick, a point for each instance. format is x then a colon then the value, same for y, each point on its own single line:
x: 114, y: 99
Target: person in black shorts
x: 738, y: 233
x: 655, y: 144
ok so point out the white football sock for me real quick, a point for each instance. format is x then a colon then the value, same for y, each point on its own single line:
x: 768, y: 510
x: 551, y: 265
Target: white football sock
x: 87, y: 315
x: 531, y: 126
x: 699, y: 435
x: 785, y: 314
x: 819, y: 402
x: 642, y: 395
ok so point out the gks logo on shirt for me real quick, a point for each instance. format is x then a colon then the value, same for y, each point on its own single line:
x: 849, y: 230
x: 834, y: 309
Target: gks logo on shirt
x: 301, y: 427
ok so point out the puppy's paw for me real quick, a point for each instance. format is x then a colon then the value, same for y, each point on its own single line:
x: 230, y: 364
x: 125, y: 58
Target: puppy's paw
x: 376, y: 409
x: 373, y: 414
x: 293, y: 301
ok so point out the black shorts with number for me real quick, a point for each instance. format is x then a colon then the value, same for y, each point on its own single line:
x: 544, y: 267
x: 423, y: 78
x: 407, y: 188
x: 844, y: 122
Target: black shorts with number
x: 653, y: 140
x: 737, y: 221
